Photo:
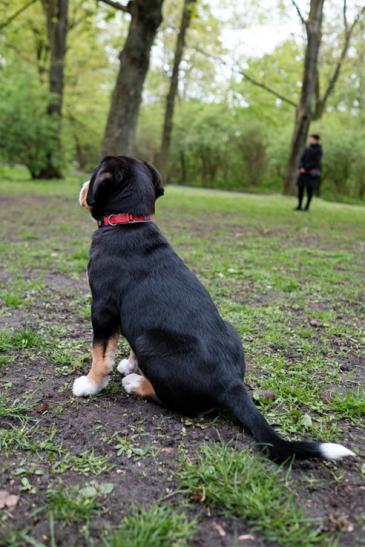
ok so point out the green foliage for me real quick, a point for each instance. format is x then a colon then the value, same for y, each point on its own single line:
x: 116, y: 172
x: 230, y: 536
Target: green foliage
x: 11, y: 300
x: 228, y: 133
x: 156, y: 527
x: 73, y: 505
x: 249, y: 487
x: 23, y: 438
x: 127, y: 447
x: 350, y: 406
x: 344, y: 160
x: 15, y: 410
x: 27, y: 133
x: 86, y: 464
x: 218, y: 147
x: 20, y: 339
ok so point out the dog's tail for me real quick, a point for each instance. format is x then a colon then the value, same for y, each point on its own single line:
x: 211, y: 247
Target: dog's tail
x: 239, y: 402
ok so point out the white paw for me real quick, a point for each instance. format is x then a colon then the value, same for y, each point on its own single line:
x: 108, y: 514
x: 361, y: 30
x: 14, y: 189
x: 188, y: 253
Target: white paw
x: 83, y: 386
x: 131, y: 382
x: 125, y: 367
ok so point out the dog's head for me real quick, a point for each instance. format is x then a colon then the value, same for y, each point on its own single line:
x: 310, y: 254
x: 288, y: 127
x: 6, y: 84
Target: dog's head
x: 121, y: 185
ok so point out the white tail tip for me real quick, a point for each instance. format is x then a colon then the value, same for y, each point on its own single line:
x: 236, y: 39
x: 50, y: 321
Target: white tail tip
x: 333, y: 451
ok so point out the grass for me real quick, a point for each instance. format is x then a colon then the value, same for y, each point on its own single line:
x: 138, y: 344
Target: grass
x: 292, y: 285
x: 20, y: 339
x: 68, y: 356
x: 157, y: 526
x: 12, y: 300
x: 71, y: 505
x: 15, y: 409
x: 28, y: 439
x: 85, y: 464
x: 350, y: 405
x: 246, y: 486
x: 128, y: 448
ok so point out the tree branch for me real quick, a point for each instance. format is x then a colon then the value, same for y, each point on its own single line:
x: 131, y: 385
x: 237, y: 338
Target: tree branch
x: 15, y: 14
x: 73, y: 24
x: 358, y: 17
x: 266, y: 88
x: 117, y: 5
x: 302, y: 20
x: 322, y: 101
x: 249, y: 78
x: 344, y: 13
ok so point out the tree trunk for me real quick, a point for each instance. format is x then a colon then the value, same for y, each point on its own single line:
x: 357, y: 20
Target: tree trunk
x: 174, y: 84
x: 134, y: 63
x: 56, y: 13
x: 304, y: 110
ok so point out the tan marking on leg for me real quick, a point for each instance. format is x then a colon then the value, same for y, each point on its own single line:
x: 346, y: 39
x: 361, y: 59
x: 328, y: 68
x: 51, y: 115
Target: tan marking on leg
x: 132, y: 358
x: 103, y: 360
x: 145, y: 389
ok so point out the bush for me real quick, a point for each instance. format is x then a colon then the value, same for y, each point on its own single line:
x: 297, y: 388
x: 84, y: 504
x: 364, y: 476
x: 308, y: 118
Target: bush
x: 27, y: 133
x: 238, y: 148
x: 218, y: 147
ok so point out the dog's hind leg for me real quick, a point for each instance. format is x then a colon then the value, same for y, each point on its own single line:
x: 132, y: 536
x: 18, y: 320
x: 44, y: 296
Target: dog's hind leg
x: 127, y: 366
x: 101, y: 367
x: 136, y: 384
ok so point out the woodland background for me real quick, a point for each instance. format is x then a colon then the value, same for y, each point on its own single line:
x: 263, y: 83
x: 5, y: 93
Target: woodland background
x: 211, y: 114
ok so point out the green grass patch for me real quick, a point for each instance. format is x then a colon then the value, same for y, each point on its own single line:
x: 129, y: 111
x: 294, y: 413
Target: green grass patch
x: 12, y: 300
x: 21, y: 339
x: 86, y: 464
x: 157, y: 526
x: 4, y: 361
x: 128, y: 448
x: 247, y: 486
x: 350, y: 405
x: 68, y: 357
x: 15, y: 409
x: 28, y: 438
x: 72, y: 505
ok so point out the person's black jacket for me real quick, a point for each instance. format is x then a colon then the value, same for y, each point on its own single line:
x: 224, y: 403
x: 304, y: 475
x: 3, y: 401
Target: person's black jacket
x: 311, y: 160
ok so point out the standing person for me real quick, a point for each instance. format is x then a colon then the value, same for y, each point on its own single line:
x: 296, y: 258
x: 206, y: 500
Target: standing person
x: 309, y: 171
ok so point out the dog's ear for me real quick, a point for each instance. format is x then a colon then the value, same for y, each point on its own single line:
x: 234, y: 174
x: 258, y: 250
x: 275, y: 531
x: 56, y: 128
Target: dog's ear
x: 98, y: 185
x: 83, y: 194
x: 156, y: 179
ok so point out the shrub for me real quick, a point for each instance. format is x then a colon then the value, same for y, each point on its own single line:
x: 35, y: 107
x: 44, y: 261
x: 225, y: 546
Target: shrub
x: 27, y: 133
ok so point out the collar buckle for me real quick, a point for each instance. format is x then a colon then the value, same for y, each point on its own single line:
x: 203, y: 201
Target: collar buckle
x: 109, y: 222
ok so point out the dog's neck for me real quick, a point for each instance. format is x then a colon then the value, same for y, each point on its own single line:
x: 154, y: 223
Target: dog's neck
x: 129, y: 204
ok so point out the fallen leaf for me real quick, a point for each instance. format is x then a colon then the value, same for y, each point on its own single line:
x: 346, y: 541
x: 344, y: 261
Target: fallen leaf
x: 307, y: 420
x: 246, y: 537
x: 218, y: 528
x: 42, y: 408
x: 106, y: 487
x: 341, y: 522
x: 8, y: 500
x: 317, y: 323
x: 88, y: 491
x: 198, y: 497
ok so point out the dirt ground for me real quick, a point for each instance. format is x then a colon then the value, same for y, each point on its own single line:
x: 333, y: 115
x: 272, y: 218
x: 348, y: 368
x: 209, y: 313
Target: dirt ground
x: 44, y: 290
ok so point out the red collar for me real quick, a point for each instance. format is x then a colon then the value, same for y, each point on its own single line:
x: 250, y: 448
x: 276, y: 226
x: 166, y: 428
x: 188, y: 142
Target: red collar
x: 123, y: 218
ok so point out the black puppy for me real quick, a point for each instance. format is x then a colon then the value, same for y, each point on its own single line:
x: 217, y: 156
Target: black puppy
x: 189, y: 358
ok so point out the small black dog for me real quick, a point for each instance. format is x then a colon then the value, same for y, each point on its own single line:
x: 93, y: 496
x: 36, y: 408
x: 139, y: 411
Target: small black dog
x: 189, y: 358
